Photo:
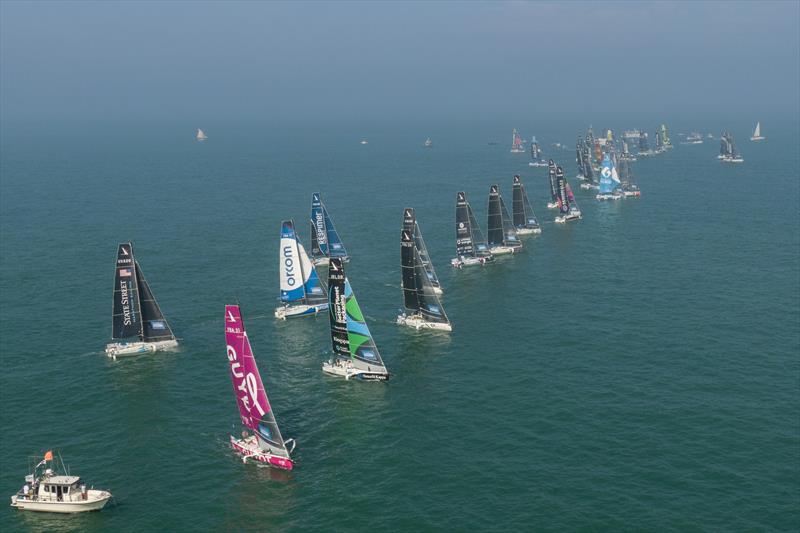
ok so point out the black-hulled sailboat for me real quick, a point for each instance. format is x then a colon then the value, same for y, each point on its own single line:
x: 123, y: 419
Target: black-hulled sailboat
x: 325, y: 240
x: 567, y: 205
x: 522, y: 213
x: 355, y: 354
x: 410, y: 224
x: 590, y: 180
x: 471, y: 247
x: 501, y: 235
x: 137, y: 322
x: 423, y: 310
x: 629, y: 186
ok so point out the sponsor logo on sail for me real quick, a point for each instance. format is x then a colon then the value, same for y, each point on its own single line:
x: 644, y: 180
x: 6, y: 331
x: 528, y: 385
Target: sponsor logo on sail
x: 288, y: 265
x: 125, y: 272
x: 158, y: 324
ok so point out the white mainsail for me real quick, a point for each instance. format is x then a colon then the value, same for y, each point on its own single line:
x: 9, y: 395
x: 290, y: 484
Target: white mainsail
x: 201, y: 136
x: 757, y: 133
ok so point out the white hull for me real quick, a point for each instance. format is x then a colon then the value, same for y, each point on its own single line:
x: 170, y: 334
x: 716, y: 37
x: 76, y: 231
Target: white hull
x: 502, y: 250
x: 513, y: 151
x: 566, y: 218
x: 127, y: 349
x: 613, y: 196
x: 289, y: 311
x: 635, y: 194
x: 459, y: 262
x: 438, y: 290
x: 537, y: 164
x: 95, y: 500
x: 347, y: 371
x: 588, y: 186
x: 757, y: 138
x: 732, y: 160
x: 528, y: 231
x: 417, y: 322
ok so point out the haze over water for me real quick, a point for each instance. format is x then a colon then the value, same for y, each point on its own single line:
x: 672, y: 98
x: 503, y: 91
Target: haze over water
x: 636, y: 369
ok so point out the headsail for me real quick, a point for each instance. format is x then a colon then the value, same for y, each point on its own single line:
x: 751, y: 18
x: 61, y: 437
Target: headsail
x: 298, y: 276
x: 350, y: 335
x: 154, y: 325
x: 251, y: 397
x: 126, y: 314
x: 418, y: 293
x: 410, y: 224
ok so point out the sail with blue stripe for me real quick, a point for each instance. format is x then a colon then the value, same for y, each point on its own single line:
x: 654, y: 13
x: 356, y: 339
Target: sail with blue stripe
x: 300, y: 282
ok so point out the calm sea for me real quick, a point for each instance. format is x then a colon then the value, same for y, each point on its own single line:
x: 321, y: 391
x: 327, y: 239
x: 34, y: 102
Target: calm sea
x: 635, y: 370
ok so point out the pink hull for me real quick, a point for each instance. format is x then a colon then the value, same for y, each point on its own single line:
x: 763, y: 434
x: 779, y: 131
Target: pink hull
x: 274, y: 460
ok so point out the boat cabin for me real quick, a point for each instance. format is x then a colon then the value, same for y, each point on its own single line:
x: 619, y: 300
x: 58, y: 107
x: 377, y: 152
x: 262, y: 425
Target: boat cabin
x: 57, y: 489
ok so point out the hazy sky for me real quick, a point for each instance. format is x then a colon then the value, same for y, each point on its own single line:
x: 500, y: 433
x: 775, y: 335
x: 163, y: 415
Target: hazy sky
x: 245, y: 59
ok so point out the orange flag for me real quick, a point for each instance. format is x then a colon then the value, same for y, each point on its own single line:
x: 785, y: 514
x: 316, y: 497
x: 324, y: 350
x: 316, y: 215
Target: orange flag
x: 48, y: 456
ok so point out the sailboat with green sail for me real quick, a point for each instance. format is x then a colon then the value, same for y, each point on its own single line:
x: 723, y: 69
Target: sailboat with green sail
x: 355, y: 355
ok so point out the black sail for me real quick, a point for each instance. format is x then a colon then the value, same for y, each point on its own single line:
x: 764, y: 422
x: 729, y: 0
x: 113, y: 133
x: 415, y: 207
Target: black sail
x: 409, y: 276
x: 464, y: 243
x: 481, y: 248
x: 410, y: 223
x: 510, y: 237
x: 563, y: 197
x: 517, y: 207
x: 428, y: 303
x: 126, y: 314
x: 337, y: 310
x: 494, y: 231
x: 551, y: 173
x: 154, y: 325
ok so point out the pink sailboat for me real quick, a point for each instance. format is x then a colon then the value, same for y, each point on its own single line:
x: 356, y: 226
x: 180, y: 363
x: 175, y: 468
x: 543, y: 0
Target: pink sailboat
x: 266, y: 444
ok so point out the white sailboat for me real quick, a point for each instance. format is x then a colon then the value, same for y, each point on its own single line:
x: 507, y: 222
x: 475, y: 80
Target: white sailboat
x: 757, y: 133
x: 201, y: 136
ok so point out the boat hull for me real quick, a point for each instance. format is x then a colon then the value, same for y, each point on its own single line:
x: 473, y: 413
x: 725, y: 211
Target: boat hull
x: 95, y: 500
x: 348, y: 372
x: 503, y: 250
x: 248, y: 448
x: 418, y: 323
x: 461, y: 262
x: 566, y: 218
x: 634, y: 194
x: 129, y: 349
x: 757, y: 138
x: 292, y: 311
x: 528, y: 231
x: 614, y: 196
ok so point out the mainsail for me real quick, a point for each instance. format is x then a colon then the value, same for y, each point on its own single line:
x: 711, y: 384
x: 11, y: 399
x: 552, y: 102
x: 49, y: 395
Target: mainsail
x: 521, y: 209
x: 418, y: 293
x: 254, y: 408
x: 126, y: 314
x: 516, y: 142
x: 469, y: 239
x: 609, y: 180
x: 325, y: 240
x: 410, y: 224
x: 350, y: 335
x: 551, y: 172
x: 500, y: 231
x: 299, y: 280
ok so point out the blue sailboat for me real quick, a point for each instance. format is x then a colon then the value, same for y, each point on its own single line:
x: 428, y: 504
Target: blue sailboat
x: 302, y: 292
x: 325, y: 240
x: 609, y: 186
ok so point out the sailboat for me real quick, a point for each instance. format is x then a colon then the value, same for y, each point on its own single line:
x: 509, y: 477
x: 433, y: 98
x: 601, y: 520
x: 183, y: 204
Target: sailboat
x: 325, y: 241
x: 302, y: 293
x: 588, y: 173
x: 500, y: 232
x: 551, y: 174
x: 659, y: 143
x: 266, y: 445
x: 579, y: 158
x: 423, y: 310
x: 609, y: 181
x: 629, y: 188
x: 732, y: 154
x: 694, y: 138
x: 757, y: 133
x: 567, y: 205
x: 644, y: 146
x: 666, y: 143
x: 201, y: 136
x: 355, y: 354
x: 724, y: 146
x: 521, y: 210
x: 516, y: 143
x: 428, y: 143
x: 536, y: 155
x: 136, y: 313
x: 410, y: 224
x: 471, y: 247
